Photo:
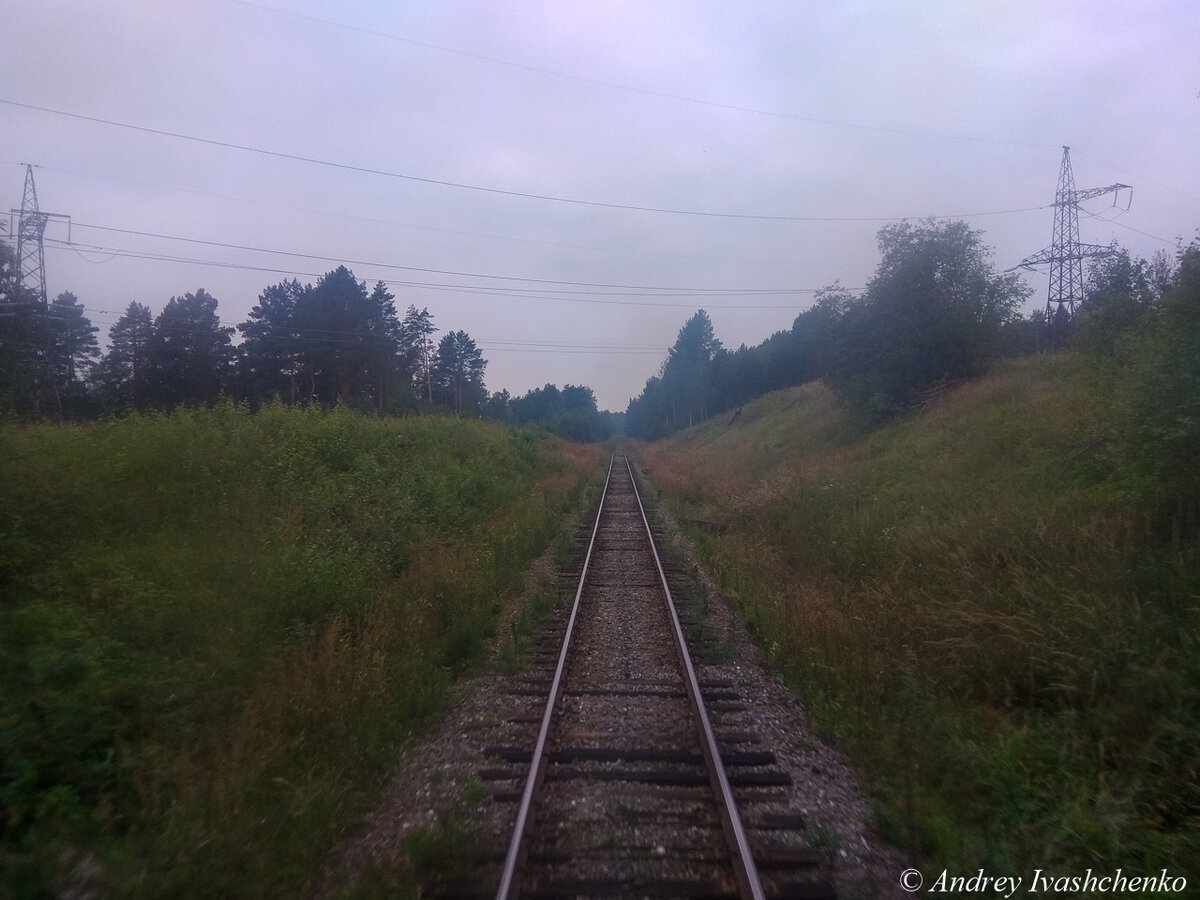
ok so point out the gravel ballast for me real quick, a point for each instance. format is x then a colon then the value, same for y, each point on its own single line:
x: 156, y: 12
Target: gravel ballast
x: 437, y: 787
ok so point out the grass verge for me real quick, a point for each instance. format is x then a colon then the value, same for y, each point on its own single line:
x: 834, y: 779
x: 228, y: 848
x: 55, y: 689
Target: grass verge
x: 218, y: 627
x: 978, y: 603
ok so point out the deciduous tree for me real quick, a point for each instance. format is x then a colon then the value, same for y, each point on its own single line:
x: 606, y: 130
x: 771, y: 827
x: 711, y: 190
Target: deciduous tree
x: 1121, y: 297
x: 1162, y: 410
x: 932, y: 313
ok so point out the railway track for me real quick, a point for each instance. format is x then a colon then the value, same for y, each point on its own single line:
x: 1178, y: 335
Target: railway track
x: 631, y: 776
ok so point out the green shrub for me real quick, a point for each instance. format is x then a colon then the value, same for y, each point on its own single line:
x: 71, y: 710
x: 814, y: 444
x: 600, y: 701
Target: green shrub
x: 218, y: 626
x: 977, y: 602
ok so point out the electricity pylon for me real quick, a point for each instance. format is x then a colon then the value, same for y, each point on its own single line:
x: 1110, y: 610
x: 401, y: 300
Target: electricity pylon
x: 28, y: 281
x: 1066, y: 254
x: 31, y: 249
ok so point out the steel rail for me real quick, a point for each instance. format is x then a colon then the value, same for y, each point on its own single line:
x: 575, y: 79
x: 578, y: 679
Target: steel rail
x: 743, y: 860
x: 507, y: 889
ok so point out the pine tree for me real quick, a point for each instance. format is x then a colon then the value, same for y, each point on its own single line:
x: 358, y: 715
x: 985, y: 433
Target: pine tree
x: 122, y: 375
x: 73, y: 350
x: 189, y: 354
x: 459, y: 372
x: 271, y: 355
x: 417, y: 350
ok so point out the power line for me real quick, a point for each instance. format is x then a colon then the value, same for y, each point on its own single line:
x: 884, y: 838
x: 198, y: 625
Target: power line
x: 507, y: 293
x: 656, y: 348
x: 1174, y: 189
x: 294, y: 157
x: 377, y: 221
x: 1092, y: 215
x: 524, y: 280
x: 486, y: 345
x: 706, y: 301
x: 560, y: 284
x: 622, y: 250
x: 366, y: 170
x: 640, y: 90
x: 333, y: 336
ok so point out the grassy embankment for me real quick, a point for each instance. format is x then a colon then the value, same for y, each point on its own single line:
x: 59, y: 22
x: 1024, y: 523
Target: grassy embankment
x: 216, y: 629
x: 979, y: 604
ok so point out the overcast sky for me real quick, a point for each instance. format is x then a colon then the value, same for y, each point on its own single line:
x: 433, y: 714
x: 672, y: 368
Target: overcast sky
x: 569, y: 181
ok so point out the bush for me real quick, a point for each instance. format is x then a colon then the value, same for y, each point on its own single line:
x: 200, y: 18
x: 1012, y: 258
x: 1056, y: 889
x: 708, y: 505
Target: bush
x: 972, y: 602
x: 933, y: 313
x: 218, y: 626
x: 1161, y: 413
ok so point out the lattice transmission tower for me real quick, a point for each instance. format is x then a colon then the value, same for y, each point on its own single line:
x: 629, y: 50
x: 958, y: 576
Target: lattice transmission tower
x: 29, y: 278
x: 25, y: 296
x: 1066, y: 254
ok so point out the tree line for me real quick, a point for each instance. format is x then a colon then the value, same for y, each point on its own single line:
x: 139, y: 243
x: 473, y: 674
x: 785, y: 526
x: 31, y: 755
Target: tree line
x: 570, y: 412
x: 330, y: 343
x: 935, y: 311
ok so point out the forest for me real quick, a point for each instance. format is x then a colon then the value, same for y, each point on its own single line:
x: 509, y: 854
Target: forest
x: 989, y: 601
x: 936, y: 312
x: 250, y: 567
x: 330, y: 344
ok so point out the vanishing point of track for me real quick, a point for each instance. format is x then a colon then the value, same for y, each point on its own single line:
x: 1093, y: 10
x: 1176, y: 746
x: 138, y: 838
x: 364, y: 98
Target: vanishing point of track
x: 625, y: 788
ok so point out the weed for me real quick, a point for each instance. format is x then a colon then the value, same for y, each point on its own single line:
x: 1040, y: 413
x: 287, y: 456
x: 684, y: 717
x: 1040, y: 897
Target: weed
x: 445, y: 847
x: 218, y: 627
x: 438, y: 849
x: 975, y: 602
x: 821, y: 838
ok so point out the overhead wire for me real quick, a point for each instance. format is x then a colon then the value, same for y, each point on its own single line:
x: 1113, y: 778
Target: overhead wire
x: 335, y: 336
x: 425, y: 269
x: 641, y: 90
x: 494, y: 289
x: 1120, y: 224
x: 367, y: 170
x: 703, y: 295
x: 634, y: 251
x: 514, y: 238
x: 528, y: 292
x: 1138, y: 177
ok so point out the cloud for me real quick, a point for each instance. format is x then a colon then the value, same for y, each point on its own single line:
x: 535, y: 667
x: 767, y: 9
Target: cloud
x: 834, y: 111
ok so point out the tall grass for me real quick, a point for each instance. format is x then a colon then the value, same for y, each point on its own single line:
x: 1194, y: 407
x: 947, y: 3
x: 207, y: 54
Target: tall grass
x: 975, y: 601
x: 218, y: 627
